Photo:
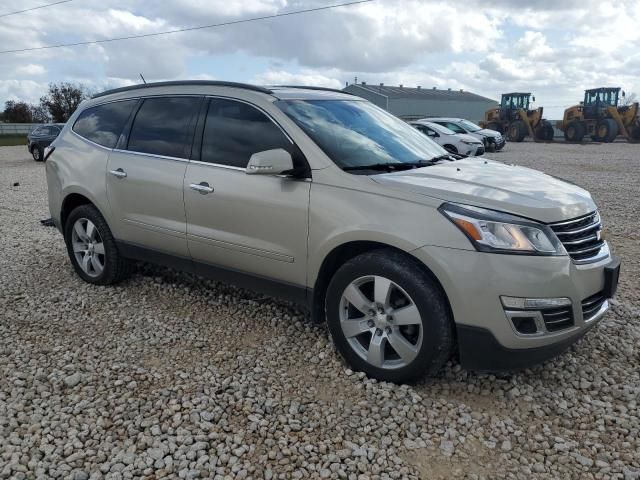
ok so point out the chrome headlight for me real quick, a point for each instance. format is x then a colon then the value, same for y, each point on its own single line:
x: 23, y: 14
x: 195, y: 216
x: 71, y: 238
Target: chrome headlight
x: 497, y: 232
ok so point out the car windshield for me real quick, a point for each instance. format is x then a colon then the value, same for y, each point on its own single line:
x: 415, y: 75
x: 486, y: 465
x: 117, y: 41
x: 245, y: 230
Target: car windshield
x: 470, y: 126
x: 440, y: 128
x: 355, y: 133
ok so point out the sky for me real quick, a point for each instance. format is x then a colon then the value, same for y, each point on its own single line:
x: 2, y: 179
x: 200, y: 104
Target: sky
x: 554, y: 49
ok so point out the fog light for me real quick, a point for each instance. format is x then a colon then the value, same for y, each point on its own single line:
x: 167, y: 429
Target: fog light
x: 525, y: 325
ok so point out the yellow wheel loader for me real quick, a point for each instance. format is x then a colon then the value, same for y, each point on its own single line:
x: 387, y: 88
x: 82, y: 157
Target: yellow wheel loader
x: 600, y: 117
x: 514, y: 119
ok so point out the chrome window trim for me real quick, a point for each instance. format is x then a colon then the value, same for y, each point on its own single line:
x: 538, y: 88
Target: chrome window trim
x: 155, y: 155
x: 219, y: 165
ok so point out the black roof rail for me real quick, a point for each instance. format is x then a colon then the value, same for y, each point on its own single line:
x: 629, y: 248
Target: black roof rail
x: 212, y: 83
x: 322, y: 89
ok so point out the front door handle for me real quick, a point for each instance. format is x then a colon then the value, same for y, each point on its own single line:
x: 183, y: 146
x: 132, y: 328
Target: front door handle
x: 202, y: 187
x: 118, y: 173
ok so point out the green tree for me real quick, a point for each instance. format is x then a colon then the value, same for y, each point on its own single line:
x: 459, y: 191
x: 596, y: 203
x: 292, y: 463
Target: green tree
x: 17, y: 112
x: 63, y: 99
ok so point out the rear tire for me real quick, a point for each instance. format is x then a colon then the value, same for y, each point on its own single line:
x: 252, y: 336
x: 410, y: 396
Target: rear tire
x: 92, y: 248
x: 574, y: 132
x: 517, y: 131
x: 37, y: 152
x: 388, y: 318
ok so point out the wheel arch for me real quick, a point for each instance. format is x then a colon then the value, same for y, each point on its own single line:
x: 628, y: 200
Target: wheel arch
x: 348, y: 250
x: 73, y: 200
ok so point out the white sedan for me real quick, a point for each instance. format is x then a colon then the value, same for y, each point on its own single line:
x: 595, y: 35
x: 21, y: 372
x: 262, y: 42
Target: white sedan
x: 460, y: 143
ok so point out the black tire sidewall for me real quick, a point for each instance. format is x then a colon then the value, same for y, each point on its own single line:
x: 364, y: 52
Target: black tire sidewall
x: 436, y: 322
x: 40, y: 150
x: 111, y: 253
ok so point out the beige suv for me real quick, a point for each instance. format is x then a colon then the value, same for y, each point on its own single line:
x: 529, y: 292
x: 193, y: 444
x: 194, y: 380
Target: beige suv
x: 321, y: 197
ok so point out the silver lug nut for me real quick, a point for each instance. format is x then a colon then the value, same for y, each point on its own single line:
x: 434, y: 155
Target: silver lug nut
x: 370, y: 323
x: 388, y: 330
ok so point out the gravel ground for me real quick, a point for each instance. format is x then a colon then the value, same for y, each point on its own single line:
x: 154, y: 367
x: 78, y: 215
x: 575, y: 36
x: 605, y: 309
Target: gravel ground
x: 167, y: 375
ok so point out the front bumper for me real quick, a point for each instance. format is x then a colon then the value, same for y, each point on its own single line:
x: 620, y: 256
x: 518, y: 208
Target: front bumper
x: 475, y: 282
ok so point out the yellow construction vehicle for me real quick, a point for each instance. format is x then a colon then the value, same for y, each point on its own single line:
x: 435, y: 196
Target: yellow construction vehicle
x: 600, y: 117
x: 514, y: 119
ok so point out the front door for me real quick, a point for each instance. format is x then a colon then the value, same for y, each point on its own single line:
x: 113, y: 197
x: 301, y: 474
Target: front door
x: 256, y: 224
x: 145, y: 178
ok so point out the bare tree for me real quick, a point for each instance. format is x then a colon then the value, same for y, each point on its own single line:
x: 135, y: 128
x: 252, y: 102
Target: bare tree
x: 63, y: 99
x: 629, y: 99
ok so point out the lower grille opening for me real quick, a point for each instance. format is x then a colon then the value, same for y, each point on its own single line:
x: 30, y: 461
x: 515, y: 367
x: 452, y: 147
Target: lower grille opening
x: 591, y: 305
x: 557, y: 318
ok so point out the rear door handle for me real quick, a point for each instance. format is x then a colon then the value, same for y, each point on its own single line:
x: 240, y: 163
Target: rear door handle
x: 118, y: 173
x: 202, y: 187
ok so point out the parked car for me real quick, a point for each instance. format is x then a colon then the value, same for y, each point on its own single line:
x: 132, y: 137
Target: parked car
x: 40, y: 138
x: 321, y: 197
x: 453, y: 142
x: 493, y: 141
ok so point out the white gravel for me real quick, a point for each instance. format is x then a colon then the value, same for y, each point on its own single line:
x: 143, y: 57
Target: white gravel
x: 168, y: 375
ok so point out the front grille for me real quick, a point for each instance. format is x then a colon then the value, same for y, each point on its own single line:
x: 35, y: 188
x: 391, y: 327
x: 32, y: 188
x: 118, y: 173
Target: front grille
x: 580, y: 236
x: 592, y: 304
x: 557, y: 318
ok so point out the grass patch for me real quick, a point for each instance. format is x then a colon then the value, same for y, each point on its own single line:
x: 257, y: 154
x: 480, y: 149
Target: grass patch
x: 10, y: 140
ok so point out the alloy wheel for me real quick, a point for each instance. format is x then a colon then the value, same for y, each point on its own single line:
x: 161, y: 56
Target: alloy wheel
x: 381, y: 322
x: 88, y: 247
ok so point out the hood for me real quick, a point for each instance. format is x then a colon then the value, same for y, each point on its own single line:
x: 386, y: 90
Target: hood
x: 495, y: 185
x: 488, y: 133
x: 468, y: 138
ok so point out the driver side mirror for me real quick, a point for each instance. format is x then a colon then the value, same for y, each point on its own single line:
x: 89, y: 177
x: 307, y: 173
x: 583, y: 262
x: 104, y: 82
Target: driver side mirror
x: 270, y: 162
x: 431, y: 133
x: 533, y: 98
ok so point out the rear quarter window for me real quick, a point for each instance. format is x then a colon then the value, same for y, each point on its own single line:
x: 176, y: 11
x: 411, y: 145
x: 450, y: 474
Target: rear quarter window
x: 103, y: 124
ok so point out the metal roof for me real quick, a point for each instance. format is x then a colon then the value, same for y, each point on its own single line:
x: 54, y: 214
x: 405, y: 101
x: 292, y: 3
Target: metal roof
x: 604, y: 89
x: 418, y: 93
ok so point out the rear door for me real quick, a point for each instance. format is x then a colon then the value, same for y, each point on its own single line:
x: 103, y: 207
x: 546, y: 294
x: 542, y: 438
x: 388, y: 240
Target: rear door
x: 256, y: 224
x: 145, y: 174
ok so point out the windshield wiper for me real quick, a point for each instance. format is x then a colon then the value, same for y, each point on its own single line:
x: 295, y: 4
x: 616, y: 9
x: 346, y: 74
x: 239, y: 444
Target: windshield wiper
x: 390, y: 167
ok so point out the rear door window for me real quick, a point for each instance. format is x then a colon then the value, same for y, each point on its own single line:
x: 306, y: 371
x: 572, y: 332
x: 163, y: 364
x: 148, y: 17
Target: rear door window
x: 103, y: 124
x: 234, y: 131
x: 164, y: 126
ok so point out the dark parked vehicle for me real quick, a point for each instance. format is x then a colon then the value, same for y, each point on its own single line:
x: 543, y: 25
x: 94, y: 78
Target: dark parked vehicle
x: 40, y: 138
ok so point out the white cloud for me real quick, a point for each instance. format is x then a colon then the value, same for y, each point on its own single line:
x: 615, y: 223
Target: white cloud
x: 30, y: 70
x: 307, y: 77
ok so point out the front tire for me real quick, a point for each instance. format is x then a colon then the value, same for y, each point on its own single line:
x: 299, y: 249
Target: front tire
x: 544, y: 132
x: 92, y: 248
x: 575, y: 131
x: 388, y: 318
x: 517, y: 131
x: 37, y: 152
